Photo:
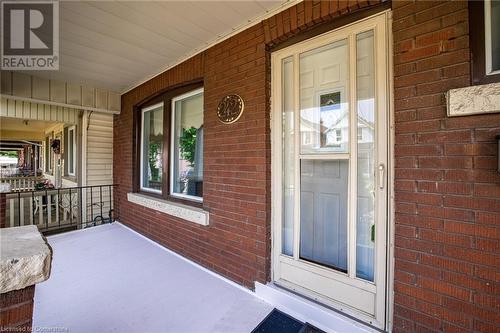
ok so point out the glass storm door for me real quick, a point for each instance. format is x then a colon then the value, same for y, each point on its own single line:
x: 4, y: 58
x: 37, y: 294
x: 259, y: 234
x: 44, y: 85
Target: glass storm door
x: 330, y: 139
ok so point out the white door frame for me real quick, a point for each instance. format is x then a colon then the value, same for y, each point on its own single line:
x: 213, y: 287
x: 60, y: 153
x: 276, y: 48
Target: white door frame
x: 391, y: 179
x: 383, y: 317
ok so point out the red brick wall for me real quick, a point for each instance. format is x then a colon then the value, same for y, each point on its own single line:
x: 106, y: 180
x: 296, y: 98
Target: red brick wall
x: 236, y: 175
x: 309, y: 14
x: 16, y: 310
x: 237, y: 157
x: 447, y: 187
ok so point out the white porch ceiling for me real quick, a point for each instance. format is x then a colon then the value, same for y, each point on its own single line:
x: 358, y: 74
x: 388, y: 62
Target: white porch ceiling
x: 116, y: 45
x: 22, y: 125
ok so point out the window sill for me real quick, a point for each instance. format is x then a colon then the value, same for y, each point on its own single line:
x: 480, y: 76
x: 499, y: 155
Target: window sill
x: 70, y: 178
x: 473, y: 100
x: 191, y: 214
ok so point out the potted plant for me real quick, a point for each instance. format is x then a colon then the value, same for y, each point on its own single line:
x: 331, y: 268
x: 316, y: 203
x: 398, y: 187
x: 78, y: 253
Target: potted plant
x: 187, y: 146
x: 44, y: 185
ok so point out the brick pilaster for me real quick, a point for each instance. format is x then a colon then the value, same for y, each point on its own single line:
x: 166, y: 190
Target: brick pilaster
x: 16, y: 310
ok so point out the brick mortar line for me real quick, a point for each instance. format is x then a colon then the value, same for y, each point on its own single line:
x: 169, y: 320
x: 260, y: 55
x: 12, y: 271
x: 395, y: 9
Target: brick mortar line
x: 17, y: 305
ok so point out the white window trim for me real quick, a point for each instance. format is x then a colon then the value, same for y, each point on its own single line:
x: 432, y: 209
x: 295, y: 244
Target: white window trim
x: 73, y: 130
x: 487, y: 39
x: 141, y: 177
x: 172, y: 140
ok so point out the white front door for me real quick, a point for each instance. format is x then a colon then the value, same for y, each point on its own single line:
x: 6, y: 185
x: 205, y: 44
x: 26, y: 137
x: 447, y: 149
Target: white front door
x: 330, y: 136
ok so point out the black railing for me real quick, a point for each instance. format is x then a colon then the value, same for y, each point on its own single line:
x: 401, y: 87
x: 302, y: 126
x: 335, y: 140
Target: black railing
x: 62, y: 209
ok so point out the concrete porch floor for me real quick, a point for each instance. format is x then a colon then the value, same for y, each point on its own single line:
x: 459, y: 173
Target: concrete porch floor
x: 110, y: 279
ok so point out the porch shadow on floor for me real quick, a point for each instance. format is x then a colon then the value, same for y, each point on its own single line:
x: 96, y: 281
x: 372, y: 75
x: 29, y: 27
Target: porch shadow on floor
x: 110, y: 279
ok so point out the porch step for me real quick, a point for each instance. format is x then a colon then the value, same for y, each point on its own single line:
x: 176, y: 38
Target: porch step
x: 279, y: 322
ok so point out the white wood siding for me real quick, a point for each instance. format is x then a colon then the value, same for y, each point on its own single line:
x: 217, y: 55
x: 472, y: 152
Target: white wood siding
x: 37, y: 111
x: 36, y: 89
x: 100, y: 149
x: 99, y: 164
x: 99, y: 160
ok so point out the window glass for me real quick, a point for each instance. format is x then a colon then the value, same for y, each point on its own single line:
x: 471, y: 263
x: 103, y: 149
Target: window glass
x: 71, y: 151
x: 288, y: 156
x: 493, y: 35
x: 366, y: 117
x: 48, y: 155
x: 152, y: 148
x: 324, y: 116
x: 324, y: 108
x: 187, y: 145
x: 71, y: 169
x: 323, y: 212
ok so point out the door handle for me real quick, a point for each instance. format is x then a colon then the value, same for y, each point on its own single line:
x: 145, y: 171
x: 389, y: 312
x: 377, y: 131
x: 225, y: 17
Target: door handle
x: 381, y: 176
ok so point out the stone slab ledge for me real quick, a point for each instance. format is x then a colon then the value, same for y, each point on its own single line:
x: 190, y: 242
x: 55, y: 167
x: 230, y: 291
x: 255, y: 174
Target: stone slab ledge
x: 25, y: 258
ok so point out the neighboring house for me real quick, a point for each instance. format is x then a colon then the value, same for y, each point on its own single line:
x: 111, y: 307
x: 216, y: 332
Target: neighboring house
x: 362, y: 174
x: 69, y: 131
x: 8, y: 165
x: 79, y: 118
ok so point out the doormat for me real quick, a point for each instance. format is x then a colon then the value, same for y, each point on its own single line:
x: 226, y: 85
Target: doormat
x: 279, y: 322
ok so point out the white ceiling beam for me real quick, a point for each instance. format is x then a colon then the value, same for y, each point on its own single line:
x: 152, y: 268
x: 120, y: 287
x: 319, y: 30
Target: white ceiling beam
x: 29, y: 88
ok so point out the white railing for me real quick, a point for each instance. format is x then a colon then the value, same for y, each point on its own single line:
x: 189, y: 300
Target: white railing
x: 43, y: 208
x: 9, y: 170
x: 22, y: 183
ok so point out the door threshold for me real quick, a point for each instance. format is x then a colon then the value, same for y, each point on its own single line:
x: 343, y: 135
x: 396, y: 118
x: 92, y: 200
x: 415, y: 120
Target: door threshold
x: 308, y: 310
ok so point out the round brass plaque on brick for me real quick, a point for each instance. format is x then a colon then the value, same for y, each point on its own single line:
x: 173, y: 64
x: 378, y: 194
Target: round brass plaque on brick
x: 230, y: 109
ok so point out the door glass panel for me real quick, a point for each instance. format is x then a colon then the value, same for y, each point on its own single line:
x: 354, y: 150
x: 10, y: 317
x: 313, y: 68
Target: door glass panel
x: 323, y: 212
x: 288, y: 157
x: 365, y: 92
x: 324, y: 111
